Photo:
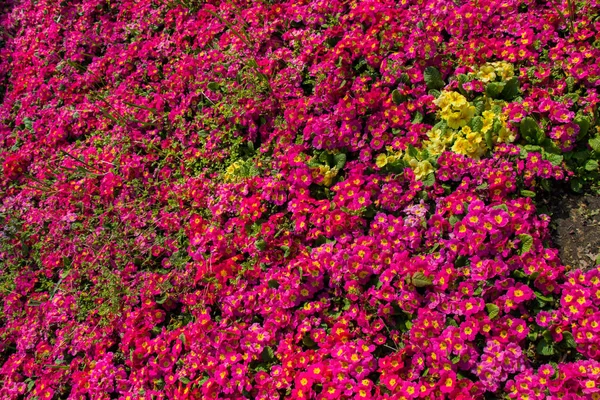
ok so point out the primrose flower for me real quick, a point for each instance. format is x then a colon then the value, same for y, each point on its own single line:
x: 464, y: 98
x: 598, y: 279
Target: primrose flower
x: 455, y: 109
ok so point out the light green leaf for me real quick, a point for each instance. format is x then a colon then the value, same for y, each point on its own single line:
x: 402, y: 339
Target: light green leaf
x: 526, y: 243
x: 492, y: 310
x: 591, y: 165
x: 595, y: 144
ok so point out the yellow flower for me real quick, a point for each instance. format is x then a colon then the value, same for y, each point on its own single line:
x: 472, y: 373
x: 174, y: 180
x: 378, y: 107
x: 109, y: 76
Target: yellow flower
x: 423, y: 169
x: 486, y: 73
x: 455, y: 109
x: 381, y: 160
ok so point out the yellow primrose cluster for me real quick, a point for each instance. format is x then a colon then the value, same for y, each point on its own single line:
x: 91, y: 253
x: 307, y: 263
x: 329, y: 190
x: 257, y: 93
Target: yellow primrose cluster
x: 455, y: 109
x: 421, y: 168
x: 232, y: 171
x: 490, y: 71
x: 326, y: 172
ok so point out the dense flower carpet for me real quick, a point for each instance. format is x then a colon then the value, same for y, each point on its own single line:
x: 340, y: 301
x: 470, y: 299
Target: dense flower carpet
x: 304, y: 199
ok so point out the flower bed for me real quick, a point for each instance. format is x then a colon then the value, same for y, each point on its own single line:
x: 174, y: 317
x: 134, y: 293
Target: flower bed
x: 295, y: 199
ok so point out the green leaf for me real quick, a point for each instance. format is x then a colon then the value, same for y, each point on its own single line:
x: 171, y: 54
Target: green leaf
x: 489, y: 140
x: 184, y: 380
x: 591, y: 165
x: 429, y: 180
x: 260, y: 244
x: 493, y: 89
x: 286, y: 251
x: 214, y: 86
x: 433, y: 78
x: 476, y: 123
x: 420, y: 280
x: 418, y: 118
x: 530, y: 130
x: 545, y: 347
x: 492, y: 310
x: 547, y: 299
x: 267, y: 354
x: 526, y: 243
x: 527, y: 193
x: 340, y: 160
x: 397, y: 97
x: 162, y: 298
x: 568, y: 340
x: 503, y: 207
x: 511, y: 89
x: 595, y: 144
x: 412, y: 152
x: 308, y: 342
x: 570, y: 83
x: 346, y: 305
x: 273, y: 284
x: 555, y: 159
x: 479, y: 104
x: 577, y: 185
x: 584, y: 125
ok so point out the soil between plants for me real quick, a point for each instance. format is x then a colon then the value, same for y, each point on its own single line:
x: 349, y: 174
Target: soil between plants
x: 575, y: 227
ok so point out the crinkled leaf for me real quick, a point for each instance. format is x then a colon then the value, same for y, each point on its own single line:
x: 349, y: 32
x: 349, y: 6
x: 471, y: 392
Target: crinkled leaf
x: 511, y: 89
x: 340, y: 160
x: 492, y: 310
x: 493, y: 89
x: 526, y: 243
x: 545, y: 348
x: 568, y: 340
x: 433, y: 78
x: 591, y: 165
x: 429, y: 180
x: 420, y: 280
x: 529, y: 129
x: 595, y: 144
x: 555, y: 159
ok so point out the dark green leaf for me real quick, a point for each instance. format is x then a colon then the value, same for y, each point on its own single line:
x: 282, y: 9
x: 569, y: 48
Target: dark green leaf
x: 340, y: 160
x: 398, y: 97
x: 511, y: 89
x: 545, y: 347
x: 493, y: 89
x: 433, y: 78
x: 568, y: 340
x: 530, y: 130
x: 577, y: 185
